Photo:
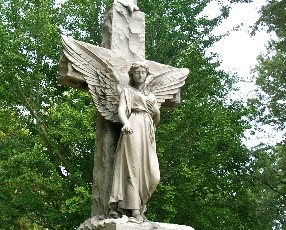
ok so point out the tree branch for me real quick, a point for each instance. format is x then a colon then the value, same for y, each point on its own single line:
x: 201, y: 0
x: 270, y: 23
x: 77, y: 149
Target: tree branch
x: 35, y: 115
x: 275, y: 190
x: 43, y: 131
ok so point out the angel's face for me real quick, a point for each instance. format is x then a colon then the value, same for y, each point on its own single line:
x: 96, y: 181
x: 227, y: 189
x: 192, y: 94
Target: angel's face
x: 139, y: 75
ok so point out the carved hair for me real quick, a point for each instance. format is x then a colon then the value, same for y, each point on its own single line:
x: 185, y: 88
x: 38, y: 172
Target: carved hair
x: 134, y: 66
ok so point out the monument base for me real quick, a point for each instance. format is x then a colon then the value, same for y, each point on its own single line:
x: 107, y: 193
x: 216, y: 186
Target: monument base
x: 126, y: 223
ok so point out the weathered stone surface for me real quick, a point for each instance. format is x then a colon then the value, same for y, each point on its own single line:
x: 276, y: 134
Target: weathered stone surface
x: 86, y: 66
x: 126, y: 223
x: 121, y: 37
x: 123, y: 43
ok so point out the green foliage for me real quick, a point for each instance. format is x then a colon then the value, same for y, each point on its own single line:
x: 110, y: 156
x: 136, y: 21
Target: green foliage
x: 203, y: 163
x: 269, y: 161
x: 176, y: 28
x: 271, y: 67
x: 83, y: 20
x: 47, y: 131
x: 269, y: 177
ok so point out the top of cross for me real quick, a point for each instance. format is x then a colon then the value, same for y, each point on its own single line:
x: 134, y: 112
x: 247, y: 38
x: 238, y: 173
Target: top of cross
x: 123, y: 42
x: 131, y: 5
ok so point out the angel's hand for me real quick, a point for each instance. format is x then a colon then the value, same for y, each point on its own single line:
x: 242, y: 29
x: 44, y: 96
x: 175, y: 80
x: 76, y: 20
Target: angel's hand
x: 149, y: 79
x: 152, y: 106
x: 127, y: 128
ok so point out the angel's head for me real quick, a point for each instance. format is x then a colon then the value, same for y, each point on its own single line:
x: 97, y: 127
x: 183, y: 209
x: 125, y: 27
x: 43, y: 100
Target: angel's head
x: 138, y: 73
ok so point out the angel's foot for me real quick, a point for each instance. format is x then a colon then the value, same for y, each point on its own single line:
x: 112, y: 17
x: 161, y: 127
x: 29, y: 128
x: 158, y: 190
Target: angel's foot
x: 136, y: 214
x: 113, y: 214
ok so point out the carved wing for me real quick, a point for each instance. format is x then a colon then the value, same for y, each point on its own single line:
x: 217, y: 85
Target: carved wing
x: 165, y: 85
x: 96, y: 72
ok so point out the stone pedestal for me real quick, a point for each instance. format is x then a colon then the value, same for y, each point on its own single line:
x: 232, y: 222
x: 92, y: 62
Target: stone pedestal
x: 147, y: 226
x: 126, y: 223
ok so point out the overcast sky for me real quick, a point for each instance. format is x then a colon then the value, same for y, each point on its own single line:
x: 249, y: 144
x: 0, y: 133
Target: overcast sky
x: 238, y: 53
x: 239, y: 50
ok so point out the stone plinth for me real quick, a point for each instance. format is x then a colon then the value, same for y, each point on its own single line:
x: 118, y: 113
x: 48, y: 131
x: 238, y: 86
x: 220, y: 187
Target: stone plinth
x: 146, y: 226
x: 126, y: 223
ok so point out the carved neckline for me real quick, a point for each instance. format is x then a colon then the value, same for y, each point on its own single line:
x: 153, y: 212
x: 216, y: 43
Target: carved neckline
x: 144, y: 92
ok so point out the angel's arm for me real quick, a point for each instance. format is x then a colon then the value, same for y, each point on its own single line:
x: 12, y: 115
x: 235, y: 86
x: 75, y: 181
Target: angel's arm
x: 122, y: 114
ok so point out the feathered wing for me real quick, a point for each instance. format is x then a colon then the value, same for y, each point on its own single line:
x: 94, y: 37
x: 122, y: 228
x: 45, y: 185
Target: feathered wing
x: 165, y: 85
x: 96, y: 72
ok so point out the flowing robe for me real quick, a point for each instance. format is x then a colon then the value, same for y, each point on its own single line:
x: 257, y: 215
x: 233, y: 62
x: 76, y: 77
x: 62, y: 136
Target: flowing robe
x: 136, y: 169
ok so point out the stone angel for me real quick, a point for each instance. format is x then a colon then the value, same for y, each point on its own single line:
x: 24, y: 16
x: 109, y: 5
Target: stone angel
x: 137, y: 106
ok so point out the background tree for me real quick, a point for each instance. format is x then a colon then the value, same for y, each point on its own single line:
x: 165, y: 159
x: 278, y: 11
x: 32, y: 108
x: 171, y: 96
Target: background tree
x: 271, y: 66
x: 47, y: 131
x: 202, y: 160
x: 269, y: 179
x: 269, y: 163
x: 46, y: 136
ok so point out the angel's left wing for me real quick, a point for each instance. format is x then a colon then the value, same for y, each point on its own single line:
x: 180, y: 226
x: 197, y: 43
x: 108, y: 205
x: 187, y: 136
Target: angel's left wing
x: 165, y: 85
x: 96, y: 72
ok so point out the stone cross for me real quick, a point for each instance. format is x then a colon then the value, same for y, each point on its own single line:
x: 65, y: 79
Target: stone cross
x: 123, y: 43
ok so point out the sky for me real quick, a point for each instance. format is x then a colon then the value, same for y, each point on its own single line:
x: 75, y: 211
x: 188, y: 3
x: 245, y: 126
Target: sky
x: 238, y: 53
x: 239, y: 50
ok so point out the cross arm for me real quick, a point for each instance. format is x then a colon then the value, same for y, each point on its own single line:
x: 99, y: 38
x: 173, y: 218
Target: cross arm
x: 71, y: 77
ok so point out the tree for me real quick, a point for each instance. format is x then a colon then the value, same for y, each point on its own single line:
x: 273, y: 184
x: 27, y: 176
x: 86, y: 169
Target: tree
x: 46, y: 147
x: 271, y: 66
x: 200, y: 142
x: 269, y: 161
x: 46, y: 136
x: 269, y: 176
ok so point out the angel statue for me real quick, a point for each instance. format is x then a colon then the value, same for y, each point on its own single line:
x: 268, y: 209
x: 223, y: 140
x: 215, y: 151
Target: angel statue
x: 136, y: 105
x: 136, y: 169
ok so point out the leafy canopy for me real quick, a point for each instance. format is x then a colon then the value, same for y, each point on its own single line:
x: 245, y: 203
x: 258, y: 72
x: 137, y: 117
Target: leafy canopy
x: 47, y: 131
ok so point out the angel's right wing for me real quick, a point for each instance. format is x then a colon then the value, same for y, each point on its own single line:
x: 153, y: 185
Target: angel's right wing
x: 165, y: 85
x: 96, y: 72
